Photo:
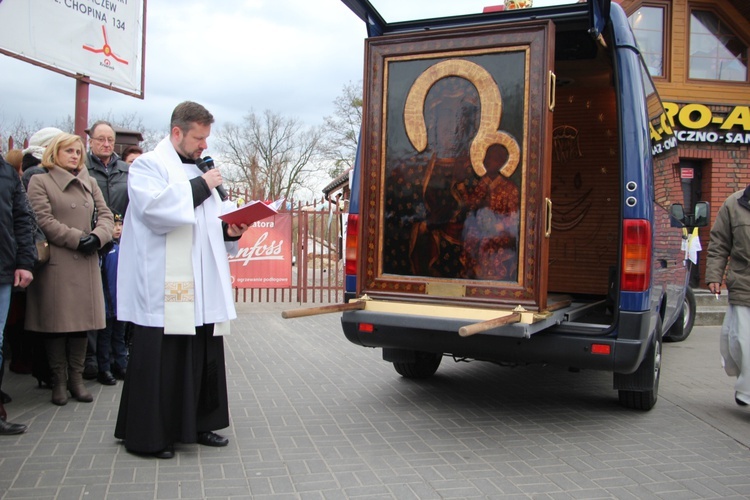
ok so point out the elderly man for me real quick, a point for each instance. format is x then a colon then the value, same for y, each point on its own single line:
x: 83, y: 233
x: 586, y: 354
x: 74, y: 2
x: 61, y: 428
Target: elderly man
x: 111, y: 173
x: 729, y: 254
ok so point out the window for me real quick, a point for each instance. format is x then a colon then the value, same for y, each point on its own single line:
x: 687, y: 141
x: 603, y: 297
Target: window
x: 716, y: 53
x: 647, y: 24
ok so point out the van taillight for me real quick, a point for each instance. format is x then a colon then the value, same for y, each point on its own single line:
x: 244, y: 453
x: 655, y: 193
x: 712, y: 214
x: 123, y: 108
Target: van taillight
x: 352, y: 227
x: 636, y: 256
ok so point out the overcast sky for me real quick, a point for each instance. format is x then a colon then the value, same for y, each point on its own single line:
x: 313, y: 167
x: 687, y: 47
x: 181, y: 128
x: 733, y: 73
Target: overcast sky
x: 292, y: 57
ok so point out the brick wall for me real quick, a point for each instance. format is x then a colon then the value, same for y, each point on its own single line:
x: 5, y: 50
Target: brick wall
x: 726, y: 169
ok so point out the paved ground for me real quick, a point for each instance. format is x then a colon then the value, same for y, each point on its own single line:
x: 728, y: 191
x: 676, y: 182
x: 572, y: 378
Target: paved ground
x: 314, y: 417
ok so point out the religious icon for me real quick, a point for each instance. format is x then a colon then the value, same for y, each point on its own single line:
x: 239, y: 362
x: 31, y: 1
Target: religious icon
x: 463, y: 208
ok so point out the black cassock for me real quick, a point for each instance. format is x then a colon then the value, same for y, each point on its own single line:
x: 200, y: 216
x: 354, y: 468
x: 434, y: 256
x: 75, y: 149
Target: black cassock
x: 175, y: 387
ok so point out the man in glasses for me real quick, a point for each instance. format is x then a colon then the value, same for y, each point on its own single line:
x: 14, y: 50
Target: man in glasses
x: 111, y: 173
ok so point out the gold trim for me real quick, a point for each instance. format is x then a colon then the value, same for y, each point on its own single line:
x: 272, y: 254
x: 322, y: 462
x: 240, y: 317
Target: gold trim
x: 489, y: 121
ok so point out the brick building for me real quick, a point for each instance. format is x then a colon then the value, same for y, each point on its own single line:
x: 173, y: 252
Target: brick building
x: 697, y: 53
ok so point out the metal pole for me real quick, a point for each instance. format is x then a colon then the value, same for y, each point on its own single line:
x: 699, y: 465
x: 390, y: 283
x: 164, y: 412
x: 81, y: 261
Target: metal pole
x: 82, y: 106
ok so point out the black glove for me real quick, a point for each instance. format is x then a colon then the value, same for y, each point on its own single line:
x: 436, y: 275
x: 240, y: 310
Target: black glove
x: 88, y: 244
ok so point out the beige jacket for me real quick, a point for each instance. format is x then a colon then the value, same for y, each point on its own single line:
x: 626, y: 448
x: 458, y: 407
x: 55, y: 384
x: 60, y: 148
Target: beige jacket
x: 66, y: 294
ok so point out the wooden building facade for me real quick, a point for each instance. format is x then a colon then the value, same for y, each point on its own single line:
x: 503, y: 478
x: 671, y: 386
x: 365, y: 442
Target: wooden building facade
x: 697, y: 53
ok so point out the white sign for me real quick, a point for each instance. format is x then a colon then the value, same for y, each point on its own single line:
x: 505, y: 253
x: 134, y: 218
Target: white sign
x: 101, y: 39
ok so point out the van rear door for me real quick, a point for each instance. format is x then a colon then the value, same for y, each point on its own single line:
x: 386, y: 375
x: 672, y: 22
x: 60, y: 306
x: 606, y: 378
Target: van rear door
x: 454, y: 118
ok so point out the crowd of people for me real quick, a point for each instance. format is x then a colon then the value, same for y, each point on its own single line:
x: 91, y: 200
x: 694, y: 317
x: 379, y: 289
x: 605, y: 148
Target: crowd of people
x: 136, y: 285
x: 104, y: 302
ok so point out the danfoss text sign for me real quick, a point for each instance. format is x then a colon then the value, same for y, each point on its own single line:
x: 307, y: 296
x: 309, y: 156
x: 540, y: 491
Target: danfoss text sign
x: 699, y: 123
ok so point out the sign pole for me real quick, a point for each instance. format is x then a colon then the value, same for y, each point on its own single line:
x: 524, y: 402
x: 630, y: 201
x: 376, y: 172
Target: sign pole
x: 82, y: 106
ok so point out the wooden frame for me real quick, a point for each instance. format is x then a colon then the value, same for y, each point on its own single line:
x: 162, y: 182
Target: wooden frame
x: 455, y: 165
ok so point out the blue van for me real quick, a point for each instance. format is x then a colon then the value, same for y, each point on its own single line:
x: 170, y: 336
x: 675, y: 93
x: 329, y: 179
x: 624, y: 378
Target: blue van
x: 503, y: 202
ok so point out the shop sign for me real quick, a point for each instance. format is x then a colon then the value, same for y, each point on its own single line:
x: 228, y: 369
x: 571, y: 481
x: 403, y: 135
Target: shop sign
x: 697, y: 123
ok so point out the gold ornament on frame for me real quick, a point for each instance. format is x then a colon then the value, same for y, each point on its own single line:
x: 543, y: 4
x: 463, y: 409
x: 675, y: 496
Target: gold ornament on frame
x: 518, y: 4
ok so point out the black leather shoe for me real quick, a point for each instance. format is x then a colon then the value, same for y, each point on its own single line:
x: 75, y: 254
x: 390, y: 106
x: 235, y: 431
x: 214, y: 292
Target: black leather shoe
x: 90, y: 373
x: 5, y: 398
x: 106, y: 378
x: 8, y: 428
x: 119, y: 373
x: 167, y: 452
x: 212, y: 439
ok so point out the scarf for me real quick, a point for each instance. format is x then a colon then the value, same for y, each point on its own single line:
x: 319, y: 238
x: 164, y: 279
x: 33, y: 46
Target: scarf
x: 179, y: 280
x: 179, y: 284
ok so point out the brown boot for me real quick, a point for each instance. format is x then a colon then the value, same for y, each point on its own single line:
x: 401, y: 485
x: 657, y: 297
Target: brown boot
x: 76, y: 362
x: 58, y: 364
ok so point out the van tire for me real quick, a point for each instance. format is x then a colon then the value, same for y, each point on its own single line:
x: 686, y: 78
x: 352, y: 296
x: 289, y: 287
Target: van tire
x: 425, y: 365
x: 683, y: 325
x: 646, y: 376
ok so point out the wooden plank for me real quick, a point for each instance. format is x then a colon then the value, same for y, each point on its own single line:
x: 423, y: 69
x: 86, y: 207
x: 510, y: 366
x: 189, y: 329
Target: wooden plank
x: 483, y: 326
x: 333, y: 308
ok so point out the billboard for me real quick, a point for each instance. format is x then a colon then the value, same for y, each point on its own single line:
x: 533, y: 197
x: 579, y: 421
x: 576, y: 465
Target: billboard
x: 264, y: 259
x: 101, y: 39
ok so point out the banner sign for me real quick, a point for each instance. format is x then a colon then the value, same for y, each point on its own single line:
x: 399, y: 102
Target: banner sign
x: 101, y: 39
x: 699, y: 123
x: 265, y: 256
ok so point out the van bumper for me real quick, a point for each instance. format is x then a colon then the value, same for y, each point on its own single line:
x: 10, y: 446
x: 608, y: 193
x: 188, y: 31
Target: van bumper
x: 628, y: 340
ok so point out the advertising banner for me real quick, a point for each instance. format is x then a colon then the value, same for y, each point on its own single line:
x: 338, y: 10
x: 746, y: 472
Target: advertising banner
x: 102, y: 39
x: 265, y: 256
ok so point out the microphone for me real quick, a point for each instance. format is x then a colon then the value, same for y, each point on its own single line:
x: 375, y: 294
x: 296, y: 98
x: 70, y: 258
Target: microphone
x: 207, y: 164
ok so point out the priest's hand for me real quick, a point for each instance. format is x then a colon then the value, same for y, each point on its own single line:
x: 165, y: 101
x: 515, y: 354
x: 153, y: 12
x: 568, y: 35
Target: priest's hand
x: 234, y: 230
x: 213, y: 178
x: 88, y: 244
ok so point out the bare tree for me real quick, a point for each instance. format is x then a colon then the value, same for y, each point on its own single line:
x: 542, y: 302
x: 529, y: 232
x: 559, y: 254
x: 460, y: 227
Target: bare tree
x: 16, y: 133
x: 272, y: 156
x: 342, y: 129
x: 20, y: 130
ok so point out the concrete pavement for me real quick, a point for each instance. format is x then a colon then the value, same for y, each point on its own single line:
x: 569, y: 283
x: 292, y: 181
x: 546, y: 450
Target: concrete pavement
x: 315, y: 417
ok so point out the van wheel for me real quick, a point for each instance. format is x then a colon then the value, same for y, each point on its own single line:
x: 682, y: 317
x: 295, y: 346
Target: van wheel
x: 425, y: 365
x: 646, y: 376
x: 683, y: 325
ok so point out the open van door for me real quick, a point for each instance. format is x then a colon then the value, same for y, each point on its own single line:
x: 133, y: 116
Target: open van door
x: 458, y: 118
x: 598, y: 16
x: 457, y: 143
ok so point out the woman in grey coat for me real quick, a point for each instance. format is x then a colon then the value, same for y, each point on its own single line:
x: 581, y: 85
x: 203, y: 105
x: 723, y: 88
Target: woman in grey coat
x: 66, y: 298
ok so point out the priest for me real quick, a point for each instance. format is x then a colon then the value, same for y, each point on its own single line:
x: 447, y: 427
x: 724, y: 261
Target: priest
x: 174, y: 286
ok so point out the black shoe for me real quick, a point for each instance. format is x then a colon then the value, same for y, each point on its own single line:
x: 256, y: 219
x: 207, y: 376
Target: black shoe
x: 5, y: 398
x: 119, y: 373
x: 8, y: 428
x: 167, y: 452
x: 738, y: 400
x: 212, y: 439
x: 90, y: 373
x: 106, y: 378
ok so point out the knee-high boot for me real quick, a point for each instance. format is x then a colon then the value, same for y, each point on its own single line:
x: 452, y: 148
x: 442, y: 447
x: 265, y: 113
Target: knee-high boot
x: 58, y: 364
x: 76, y: 361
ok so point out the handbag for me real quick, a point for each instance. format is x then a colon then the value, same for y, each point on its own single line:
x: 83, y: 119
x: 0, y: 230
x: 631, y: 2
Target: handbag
x: 41, y: 245
x: 42, y: 251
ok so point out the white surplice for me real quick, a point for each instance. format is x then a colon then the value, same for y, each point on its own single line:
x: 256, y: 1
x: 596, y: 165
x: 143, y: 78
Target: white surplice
x: 158, y: 205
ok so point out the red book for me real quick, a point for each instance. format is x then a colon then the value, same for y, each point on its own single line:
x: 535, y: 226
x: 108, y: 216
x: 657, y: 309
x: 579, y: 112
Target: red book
x: 248, y: 213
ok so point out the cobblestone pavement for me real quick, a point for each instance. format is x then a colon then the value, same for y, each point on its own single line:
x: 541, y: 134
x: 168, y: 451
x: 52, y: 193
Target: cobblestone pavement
x: 315, y: 417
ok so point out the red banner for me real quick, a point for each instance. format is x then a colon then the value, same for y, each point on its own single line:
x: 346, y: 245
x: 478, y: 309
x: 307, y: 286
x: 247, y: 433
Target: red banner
x: 265, y: 256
